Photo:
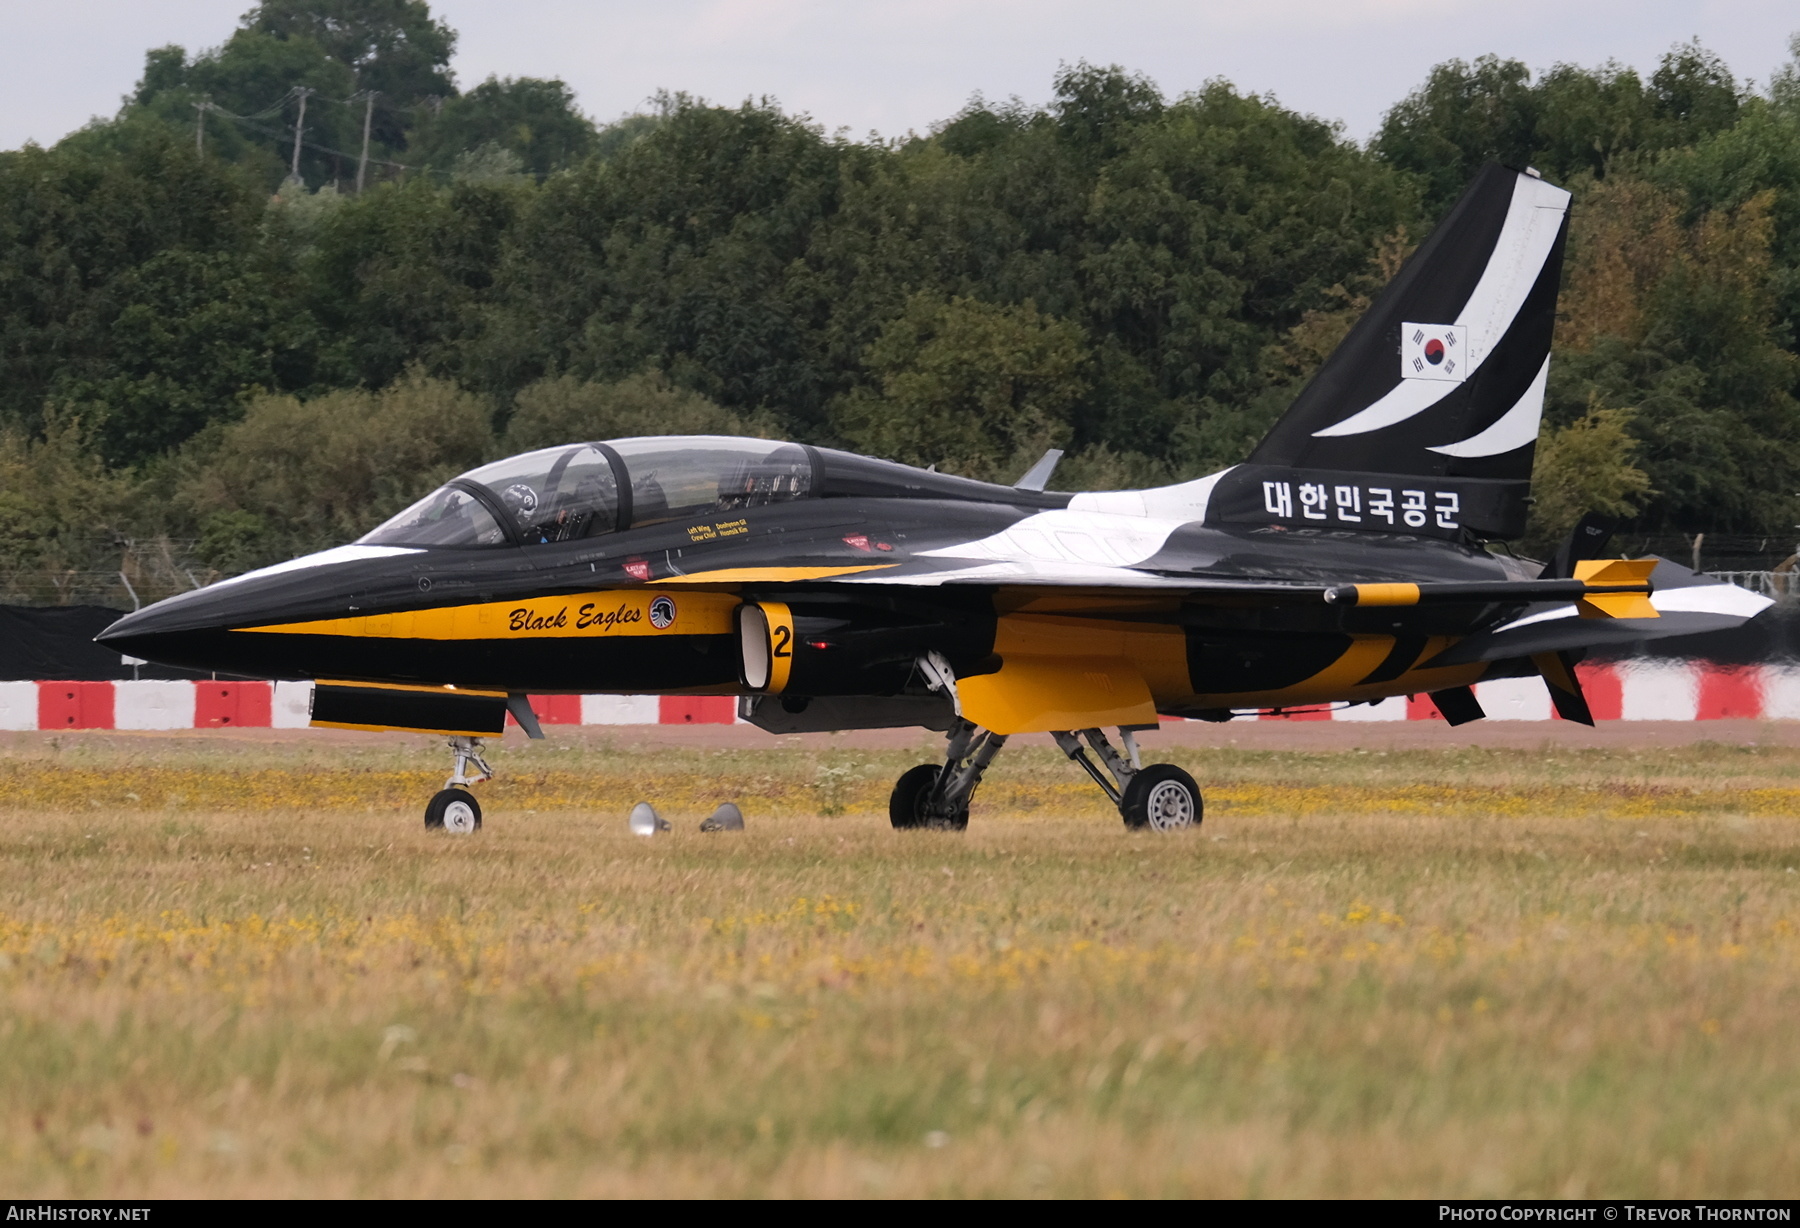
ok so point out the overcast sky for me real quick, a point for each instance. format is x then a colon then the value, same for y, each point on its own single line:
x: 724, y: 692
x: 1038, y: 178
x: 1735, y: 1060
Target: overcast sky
x: 896, y: 65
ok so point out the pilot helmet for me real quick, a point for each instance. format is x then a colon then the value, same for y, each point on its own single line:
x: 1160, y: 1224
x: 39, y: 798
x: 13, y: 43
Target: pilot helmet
x: 521, y: 500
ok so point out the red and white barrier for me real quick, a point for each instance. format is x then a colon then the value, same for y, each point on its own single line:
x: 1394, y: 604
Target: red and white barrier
x: 1631, y: 691
x: 1647, y: 690
x: 288, y: 705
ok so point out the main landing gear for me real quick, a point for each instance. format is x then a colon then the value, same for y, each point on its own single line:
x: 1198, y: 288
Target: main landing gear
x: 938, y: 797
x: 1160, y: 797
x: 453, y: 808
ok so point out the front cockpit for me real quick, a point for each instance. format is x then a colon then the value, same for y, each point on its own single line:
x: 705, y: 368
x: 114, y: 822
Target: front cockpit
x: 587, y: 490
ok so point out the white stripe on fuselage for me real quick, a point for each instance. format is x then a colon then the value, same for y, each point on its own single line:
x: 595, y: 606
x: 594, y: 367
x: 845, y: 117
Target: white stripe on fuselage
x: 1063, y: 546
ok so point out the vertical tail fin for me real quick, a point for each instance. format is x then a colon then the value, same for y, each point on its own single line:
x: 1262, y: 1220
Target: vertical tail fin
x: 1425, y: 419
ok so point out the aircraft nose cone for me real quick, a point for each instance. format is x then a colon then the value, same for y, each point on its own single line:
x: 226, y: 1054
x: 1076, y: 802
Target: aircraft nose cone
x: 170, y: 631
x: 204, y: 629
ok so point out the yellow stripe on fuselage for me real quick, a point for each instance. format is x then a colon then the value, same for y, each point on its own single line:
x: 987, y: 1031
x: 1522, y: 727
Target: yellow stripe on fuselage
x: 453, y: 691
x: 601, y: 615
x: 448, y: 733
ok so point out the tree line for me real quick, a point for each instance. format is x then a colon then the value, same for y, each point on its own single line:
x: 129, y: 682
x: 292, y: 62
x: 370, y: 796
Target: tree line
x: 208, y: 362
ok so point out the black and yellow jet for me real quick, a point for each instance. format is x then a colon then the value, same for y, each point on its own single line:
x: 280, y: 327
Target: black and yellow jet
x: 1346, y: 561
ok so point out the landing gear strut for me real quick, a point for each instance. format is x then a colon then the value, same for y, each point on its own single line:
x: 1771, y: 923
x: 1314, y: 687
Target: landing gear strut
x: 1160, y: 797
x: 453, y: 808
x: 938, y: 797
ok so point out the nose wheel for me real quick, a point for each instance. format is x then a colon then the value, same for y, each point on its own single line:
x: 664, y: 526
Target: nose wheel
x: 453, y: 808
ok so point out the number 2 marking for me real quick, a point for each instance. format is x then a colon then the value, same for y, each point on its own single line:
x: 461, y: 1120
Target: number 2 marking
x: 782, y: 637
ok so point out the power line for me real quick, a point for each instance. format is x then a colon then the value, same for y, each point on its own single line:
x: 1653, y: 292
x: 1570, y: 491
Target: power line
x: 307, y: 96
x: 265, y: 113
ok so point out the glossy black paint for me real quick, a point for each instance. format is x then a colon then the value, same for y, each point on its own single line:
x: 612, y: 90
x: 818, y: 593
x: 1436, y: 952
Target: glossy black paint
x: 855, y: 639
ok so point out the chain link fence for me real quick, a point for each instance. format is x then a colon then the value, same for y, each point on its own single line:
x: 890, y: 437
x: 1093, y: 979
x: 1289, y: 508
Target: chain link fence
x: 1782, y: 586
x: 122, y: 574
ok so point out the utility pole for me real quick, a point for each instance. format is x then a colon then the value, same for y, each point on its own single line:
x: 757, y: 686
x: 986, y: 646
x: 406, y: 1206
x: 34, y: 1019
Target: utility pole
x: 362, y: 163
x: 299, y: 129
x: 200, y: 109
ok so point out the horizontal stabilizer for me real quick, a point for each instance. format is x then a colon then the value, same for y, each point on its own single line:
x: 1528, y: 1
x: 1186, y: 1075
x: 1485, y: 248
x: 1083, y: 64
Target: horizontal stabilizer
x: 1685, y: 602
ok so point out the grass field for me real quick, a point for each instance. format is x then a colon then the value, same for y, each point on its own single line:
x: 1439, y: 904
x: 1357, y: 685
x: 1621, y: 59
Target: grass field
x: 236, y: 968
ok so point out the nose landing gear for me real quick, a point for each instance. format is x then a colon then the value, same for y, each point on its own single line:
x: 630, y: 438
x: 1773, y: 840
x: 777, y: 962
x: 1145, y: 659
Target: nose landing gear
x: 453, y: 808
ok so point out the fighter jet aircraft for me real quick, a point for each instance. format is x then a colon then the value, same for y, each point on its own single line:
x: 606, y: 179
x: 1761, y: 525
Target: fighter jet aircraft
x: 1357, y: 554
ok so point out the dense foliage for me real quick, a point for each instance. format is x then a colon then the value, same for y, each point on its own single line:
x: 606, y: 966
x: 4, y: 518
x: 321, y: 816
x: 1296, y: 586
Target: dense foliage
x: 1143, y: 280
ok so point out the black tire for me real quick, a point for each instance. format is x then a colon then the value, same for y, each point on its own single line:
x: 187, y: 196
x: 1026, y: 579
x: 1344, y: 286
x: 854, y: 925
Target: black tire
x: 906, y: 805
x: 1162, y: 797
x: 453, y: 810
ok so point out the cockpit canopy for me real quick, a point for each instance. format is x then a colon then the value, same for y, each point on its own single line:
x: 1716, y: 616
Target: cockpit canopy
x: 589, y: 489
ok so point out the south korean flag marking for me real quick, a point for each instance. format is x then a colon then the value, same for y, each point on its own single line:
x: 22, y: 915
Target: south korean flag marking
x: 1434, y: 351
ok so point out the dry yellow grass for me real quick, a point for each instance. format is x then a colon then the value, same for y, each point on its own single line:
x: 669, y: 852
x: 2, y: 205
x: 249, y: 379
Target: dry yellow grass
x: 1446, y: 973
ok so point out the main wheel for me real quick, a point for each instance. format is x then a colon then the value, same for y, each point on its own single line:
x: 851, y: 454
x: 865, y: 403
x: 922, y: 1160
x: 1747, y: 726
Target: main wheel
x: 912, y: 792
x: 1162, y: 797
x: 453, y: 810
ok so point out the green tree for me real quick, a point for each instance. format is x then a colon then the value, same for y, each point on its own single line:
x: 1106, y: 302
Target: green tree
x: 1585, y: 466
x: 1464, y: 116
x: 971, y: 387
x: 393, y: 49
x: 394, y: 46
x: 533, y: 119
x: 195, y: 333
x: 1571, y: 120
x: 251, y: 82
x: 564, y: 409
x: 1784, y: 85
x: 401, y: 275
x: 1677, y: 319
x: 1693, y: 94
x: 346, y: 52
x: 132, y: 280
x: 61, y: 511
x: 298, y: 475
x: 686, y: 252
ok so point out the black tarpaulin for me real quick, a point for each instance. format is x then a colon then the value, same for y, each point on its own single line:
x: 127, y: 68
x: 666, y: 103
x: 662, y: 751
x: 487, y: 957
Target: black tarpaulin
x: 57, y: 642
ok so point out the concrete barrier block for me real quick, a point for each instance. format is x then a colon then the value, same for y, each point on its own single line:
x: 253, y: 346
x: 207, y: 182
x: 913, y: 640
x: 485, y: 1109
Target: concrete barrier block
x: 153, y: 704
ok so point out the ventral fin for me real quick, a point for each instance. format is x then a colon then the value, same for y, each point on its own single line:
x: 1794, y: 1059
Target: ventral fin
x: 1558, y: 672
